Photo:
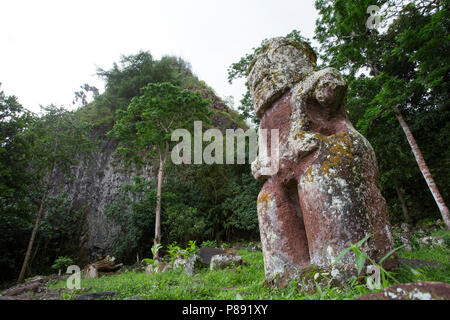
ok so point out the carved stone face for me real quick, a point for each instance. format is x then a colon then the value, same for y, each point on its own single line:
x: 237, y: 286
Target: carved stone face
x: 330, y: 92
x: 276, y: 68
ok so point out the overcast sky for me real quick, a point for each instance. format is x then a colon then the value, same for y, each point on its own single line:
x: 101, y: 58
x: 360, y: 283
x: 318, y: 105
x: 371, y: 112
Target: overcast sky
x: 50, y: 48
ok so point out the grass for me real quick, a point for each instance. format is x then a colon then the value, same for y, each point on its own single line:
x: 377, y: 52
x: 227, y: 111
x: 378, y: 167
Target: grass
x: 246, y: 282
x: 440, y: 255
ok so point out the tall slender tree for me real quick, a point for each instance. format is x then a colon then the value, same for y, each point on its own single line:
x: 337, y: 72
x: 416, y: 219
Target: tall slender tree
x: 60, y: 140
x: 144, y: 129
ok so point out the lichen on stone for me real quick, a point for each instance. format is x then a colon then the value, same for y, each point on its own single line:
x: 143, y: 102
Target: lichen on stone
x: 275, y: 68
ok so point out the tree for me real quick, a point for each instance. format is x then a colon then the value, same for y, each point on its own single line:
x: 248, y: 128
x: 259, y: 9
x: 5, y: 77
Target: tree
x: 16, y: 207
x: 125, y: 80
x: 408, y: 64
x: 15, y: 145
x: 144, y: 128
x: 59, y: 141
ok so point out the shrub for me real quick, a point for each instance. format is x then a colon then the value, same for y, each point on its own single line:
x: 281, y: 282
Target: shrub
x: 174, y: 250
x: 61, y: 263
x: 191, y: 249
x: 209, y: 244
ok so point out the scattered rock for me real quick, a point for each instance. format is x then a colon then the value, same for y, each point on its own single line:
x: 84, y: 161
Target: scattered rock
x: 149, y: 269
x: 106, y: 265
x: 222, y: 261
x: 311, y: 277
x: 159, y: 267
x: 193, y: 264
x: 432, y: 241
x: 162, y: 267
x: 96, y: 295
x: 35, y: 284
x: 139, y: 266
x: 207, y: 253
x: 405, y: 227
x: 412, y: 291
x: 33, y: 289
x: 405, y: 236
x: 254, y: 247
x: 179, y: 263
x: 91, y: 272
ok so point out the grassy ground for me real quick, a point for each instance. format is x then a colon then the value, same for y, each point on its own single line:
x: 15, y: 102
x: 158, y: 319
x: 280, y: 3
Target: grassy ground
x: 246, y: 282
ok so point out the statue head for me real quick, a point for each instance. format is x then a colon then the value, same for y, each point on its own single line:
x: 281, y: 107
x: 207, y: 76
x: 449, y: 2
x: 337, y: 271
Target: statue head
x: 325, y: 90
x: 276, y: 67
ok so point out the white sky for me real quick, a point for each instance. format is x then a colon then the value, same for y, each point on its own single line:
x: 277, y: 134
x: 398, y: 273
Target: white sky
x: 50, y: 48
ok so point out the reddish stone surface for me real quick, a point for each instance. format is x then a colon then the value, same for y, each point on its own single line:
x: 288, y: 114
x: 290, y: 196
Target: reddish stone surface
x: 325, y: 193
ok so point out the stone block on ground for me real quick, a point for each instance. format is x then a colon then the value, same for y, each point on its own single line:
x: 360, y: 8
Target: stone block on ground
x: 207, y: 253
x: 432, y: 241
x: 193, y: 264
x: 226, y: 260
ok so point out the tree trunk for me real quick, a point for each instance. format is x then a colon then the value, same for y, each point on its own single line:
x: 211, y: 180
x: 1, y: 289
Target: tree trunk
x: 424, y: 169
x: 402, y: 202
x: 30, y: 262
x: 158, y: 205
x: 33, y: 236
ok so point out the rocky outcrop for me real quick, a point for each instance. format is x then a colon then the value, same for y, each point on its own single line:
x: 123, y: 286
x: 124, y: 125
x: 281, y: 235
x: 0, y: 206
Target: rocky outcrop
x: 93, y: 184
x: 96, y: 180
x: 324, y: 194
x: 33, y: 289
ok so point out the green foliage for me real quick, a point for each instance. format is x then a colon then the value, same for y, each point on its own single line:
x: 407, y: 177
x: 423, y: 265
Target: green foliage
x: 155, y: 249
x: 135, y: 219
x: 173, y: 250
x: 239, y: 207
x: 209, y: 244
x: 145, y: 127
x: 362, y: 257
x: 60, y: 138
x: 16, y: 204
x: 15, y: 148
x: 149, y: 261
x: 183, y: 222
x: 439, y: 268
x: 34, y: 149
x: 61, y: 263
x: 191, y: 249
x: 125, y: 80
x: 60, y: 231
x: 229, y: 284
x: 224, y: 198
x: 225, y: 245
x: 403, y: 64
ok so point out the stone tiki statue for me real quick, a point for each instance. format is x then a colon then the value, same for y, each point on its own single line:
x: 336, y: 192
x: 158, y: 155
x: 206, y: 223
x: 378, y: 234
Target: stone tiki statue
x: 324, y: 194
